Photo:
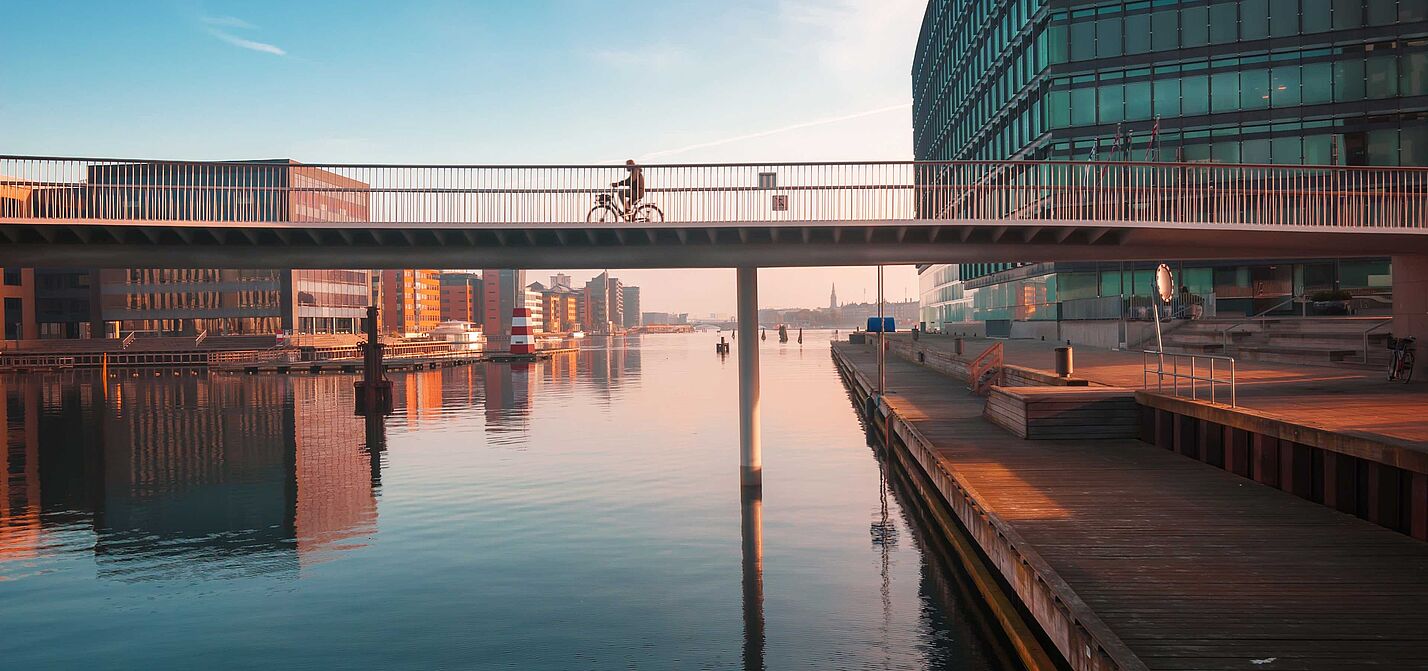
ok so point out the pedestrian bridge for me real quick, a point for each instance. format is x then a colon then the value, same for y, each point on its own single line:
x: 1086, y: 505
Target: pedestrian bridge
x: 112, y: 212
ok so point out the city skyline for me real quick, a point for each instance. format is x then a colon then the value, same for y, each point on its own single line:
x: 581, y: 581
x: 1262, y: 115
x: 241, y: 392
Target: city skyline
x: 815, y: 82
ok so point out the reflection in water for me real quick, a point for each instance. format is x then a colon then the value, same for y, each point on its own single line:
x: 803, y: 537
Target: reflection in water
x: 573, y: 513
x: 183, y: 474
x: 751, y: 528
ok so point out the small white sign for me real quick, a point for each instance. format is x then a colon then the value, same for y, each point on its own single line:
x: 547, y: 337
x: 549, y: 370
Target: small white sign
x: 780, y: 203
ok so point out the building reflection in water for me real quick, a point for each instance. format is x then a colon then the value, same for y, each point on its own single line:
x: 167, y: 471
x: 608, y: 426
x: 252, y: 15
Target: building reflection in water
x: 751, y: 532
x: 186, y: 472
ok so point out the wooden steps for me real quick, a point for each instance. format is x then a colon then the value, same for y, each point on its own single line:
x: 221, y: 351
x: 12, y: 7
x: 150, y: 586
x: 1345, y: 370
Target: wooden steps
x: 1064, y: 413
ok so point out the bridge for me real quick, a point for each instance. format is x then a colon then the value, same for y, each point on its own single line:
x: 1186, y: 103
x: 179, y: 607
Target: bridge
x: 114, y: 212
x: 104, y: 212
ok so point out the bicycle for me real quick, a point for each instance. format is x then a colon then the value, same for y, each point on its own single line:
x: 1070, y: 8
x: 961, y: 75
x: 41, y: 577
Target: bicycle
x: 1400, y: 366
x: 608, y: 209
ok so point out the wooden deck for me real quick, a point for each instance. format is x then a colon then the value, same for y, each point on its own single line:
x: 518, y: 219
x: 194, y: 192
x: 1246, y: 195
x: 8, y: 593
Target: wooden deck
x: 1134, y: 557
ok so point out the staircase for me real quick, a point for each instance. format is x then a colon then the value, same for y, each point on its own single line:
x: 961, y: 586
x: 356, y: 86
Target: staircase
x: 1327, y: 341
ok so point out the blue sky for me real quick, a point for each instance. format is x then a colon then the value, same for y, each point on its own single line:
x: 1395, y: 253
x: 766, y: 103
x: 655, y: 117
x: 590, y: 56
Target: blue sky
x: 475, y: 82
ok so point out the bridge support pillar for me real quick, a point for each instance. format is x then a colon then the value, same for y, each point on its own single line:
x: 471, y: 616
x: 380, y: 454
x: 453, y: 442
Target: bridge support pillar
x: 750, y: 448
x: 1410, y: 306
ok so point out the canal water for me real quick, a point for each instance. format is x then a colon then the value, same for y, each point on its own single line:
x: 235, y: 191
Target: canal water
x: 583, y: 512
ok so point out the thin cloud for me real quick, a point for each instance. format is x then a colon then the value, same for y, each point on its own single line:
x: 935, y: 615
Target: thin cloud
x: 228, y: 22
x: 248, y: 44
x: 775, y: 131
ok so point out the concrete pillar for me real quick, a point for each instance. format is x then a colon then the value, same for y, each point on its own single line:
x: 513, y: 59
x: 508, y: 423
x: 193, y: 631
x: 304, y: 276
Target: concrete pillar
x: 750, y: 450
x: 1410, y: 306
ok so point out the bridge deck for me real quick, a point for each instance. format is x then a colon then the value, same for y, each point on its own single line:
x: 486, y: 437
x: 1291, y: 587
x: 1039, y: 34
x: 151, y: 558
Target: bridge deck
x: 1169, y: 563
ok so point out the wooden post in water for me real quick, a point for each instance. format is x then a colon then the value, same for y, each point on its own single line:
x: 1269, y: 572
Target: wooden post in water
x: 374, y: 390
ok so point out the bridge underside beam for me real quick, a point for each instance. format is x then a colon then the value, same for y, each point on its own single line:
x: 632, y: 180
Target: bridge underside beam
x: 770, y: 245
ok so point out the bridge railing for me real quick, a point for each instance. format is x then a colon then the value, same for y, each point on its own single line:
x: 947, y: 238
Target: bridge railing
x: 113, y: 190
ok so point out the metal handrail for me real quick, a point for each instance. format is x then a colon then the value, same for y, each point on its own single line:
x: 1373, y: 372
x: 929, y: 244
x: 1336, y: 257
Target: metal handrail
x: 1371, y: 329
x: 121, y: 190
x: 128, y: 340
x: 202, y: 336
x: 1225, y: 332
x: 1193, y: 376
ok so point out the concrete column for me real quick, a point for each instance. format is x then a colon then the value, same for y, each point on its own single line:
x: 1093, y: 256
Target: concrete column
x: 1410, y: 306
x: 750, y: 450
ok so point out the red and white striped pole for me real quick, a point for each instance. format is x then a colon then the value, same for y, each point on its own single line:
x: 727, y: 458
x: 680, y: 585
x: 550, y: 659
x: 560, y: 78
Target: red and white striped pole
x: 521, y: 342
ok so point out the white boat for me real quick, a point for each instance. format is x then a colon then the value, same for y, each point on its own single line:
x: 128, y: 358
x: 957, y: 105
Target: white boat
x: 463, y: 335
x: 578, y: 334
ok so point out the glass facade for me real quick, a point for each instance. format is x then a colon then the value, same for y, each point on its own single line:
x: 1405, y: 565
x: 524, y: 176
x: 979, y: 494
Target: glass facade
x: 1250, y: 81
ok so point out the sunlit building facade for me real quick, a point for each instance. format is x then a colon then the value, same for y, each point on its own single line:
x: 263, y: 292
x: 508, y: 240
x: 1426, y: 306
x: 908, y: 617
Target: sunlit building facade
x: 1252, y: 81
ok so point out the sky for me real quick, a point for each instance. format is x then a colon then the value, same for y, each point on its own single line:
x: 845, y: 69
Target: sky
x: 498, y: 82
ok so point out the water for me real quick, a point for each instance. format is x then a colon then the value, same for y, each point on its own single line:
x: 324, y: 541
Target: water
x: 583, y: 512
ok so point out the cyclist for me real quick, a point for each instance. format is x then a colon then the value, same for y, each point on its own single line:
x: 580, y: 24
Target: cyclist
x: 636, y: 184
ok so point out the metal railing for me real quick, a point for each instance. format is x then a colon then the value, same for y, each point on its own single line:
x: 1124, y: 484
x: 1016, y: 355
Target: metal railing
x: 1371, y: 329
x: 1201, y: 373
x: 202, y: 336
x: 36, y: 188
x: 128, y: 340
x: 987, y: 369
x: 1262, y: 316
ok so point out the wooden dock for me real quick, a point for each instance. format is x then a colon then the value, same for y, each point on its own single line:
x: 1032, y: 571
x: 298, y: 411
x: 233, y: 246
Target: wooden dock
x: 330, y: 366
x: 1133, y: 557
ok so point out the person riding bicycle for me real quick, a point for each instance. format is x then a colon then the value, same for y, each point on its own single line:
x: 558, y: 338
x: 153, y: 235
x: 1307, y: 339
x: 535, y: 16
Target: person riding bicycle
x: 636, y: 184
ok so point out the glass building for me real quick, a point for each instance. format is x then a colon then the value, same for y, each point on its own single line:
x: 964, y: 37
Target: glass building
x: 1251, y: 81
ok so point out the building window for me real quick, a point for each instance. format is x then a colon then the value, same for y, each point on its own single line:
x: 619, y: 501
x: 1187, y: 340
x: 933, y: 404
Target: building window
x: 14, y: 314
x: 12, y: 277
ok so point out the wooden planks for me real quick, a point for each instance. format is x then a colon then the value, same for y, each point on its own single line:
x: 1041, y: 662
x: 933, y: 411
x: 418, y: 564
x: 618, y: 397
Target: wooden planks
x: 1140, y: 558
x: 1067, y: 413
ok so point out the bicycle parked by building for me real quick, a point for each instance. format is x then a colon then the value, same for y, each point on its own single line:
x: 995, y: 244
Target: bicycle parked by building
x: 1400, y: 365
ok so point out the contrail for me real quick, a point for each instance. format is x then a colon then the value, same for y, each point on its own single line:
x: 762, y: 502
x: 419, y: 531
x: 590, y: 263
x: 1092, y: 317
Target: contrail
x: 775, y: 131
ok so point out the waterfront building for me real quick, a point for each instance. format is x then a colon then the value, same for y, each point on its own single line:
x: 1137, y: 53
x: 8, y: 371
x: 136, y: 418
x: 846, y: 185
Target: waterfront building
x: 411, y: 301
x: 461, y: 295
x: 604, y: 304
x: 535, y: 303
x: 504, y: 291
x: 664, y: 318
x: 630, y: 300
x: 1256, y: 81
x: 17, y: 303
x: 560, y: 309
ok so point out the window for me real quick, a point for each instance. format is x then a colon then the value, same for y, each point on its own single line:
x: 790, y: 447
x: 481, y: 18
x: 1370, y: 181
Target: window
x: 1223, y: 21
x: 13, y: 315
x: 1383, y: 147
x: 1255, y: 151
x: 1060, y: 105
x: 1195, y: 95
x: 1254, y: 89
x: 1284, y: 86
x: 1254, y: 19
x: 1224, y: 92
x: 1382, y: 12
x: 1083, y: 105
x: 1348, y: 14
x: 1164, y: 30
x: 1137, y: 33
x: 1413, y: 144
x: 1318, y: 16
x: 1167, y: 97
x: 1285, y: 150
x: 1318, y: 83
x: 1195, y: 27
x: 1283, y: 18
x: 1413, y: 75
x: 1138, y: 101
x: 1381, y: 76
x: 1112, y: 102
x: 1083, y: 41
x: 1108, y: 37
x: 1225, y: 152
x: 1349, y: 80
x: 12, y: 277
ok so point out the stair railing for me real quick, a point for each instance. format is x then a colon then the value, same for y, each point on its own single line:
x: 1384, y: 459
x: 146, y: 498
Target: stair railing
x: 1225, y: 332
x: 986, y: 369
x: 1371, y: 329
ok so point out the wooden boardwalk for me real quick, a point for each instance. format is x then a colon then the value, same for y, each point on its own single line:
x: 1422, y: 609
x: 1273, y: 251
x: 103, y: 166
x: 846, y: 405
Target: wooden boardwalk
x: 1156, y: 560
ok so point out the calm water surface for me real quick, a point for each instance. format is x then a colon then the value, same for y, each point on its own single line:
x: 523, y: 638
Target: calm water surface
x: 583, y: 512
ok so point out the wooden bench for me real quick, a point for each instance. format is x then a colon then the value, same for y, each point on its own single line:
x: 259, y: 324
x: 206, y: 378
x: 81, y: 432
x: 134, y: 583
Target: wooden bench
x: 1064, y: 413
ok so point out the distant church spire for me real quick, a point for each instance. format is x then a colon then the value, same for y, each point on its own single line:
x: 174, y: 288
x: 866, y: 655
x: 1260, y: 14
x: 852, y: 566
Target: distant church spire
x: 833, y: 298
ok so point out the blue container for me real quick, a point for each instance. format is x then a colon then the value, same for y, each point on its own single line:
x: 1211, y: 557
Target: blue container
x: 886, y: 327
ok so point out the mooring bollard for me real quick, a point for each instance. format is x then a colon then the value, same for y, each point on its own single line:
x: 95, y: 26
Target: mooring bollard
x: 957, y: 346
x: 1063, y: 361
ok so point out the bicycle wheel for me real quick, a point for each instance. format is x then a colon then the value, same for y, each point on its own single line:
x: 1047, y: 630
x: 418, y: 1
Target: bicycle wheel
x: 1406, y: 369
x: 1393, y: 365
x: 602, y: 214
x: 648, y: 213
